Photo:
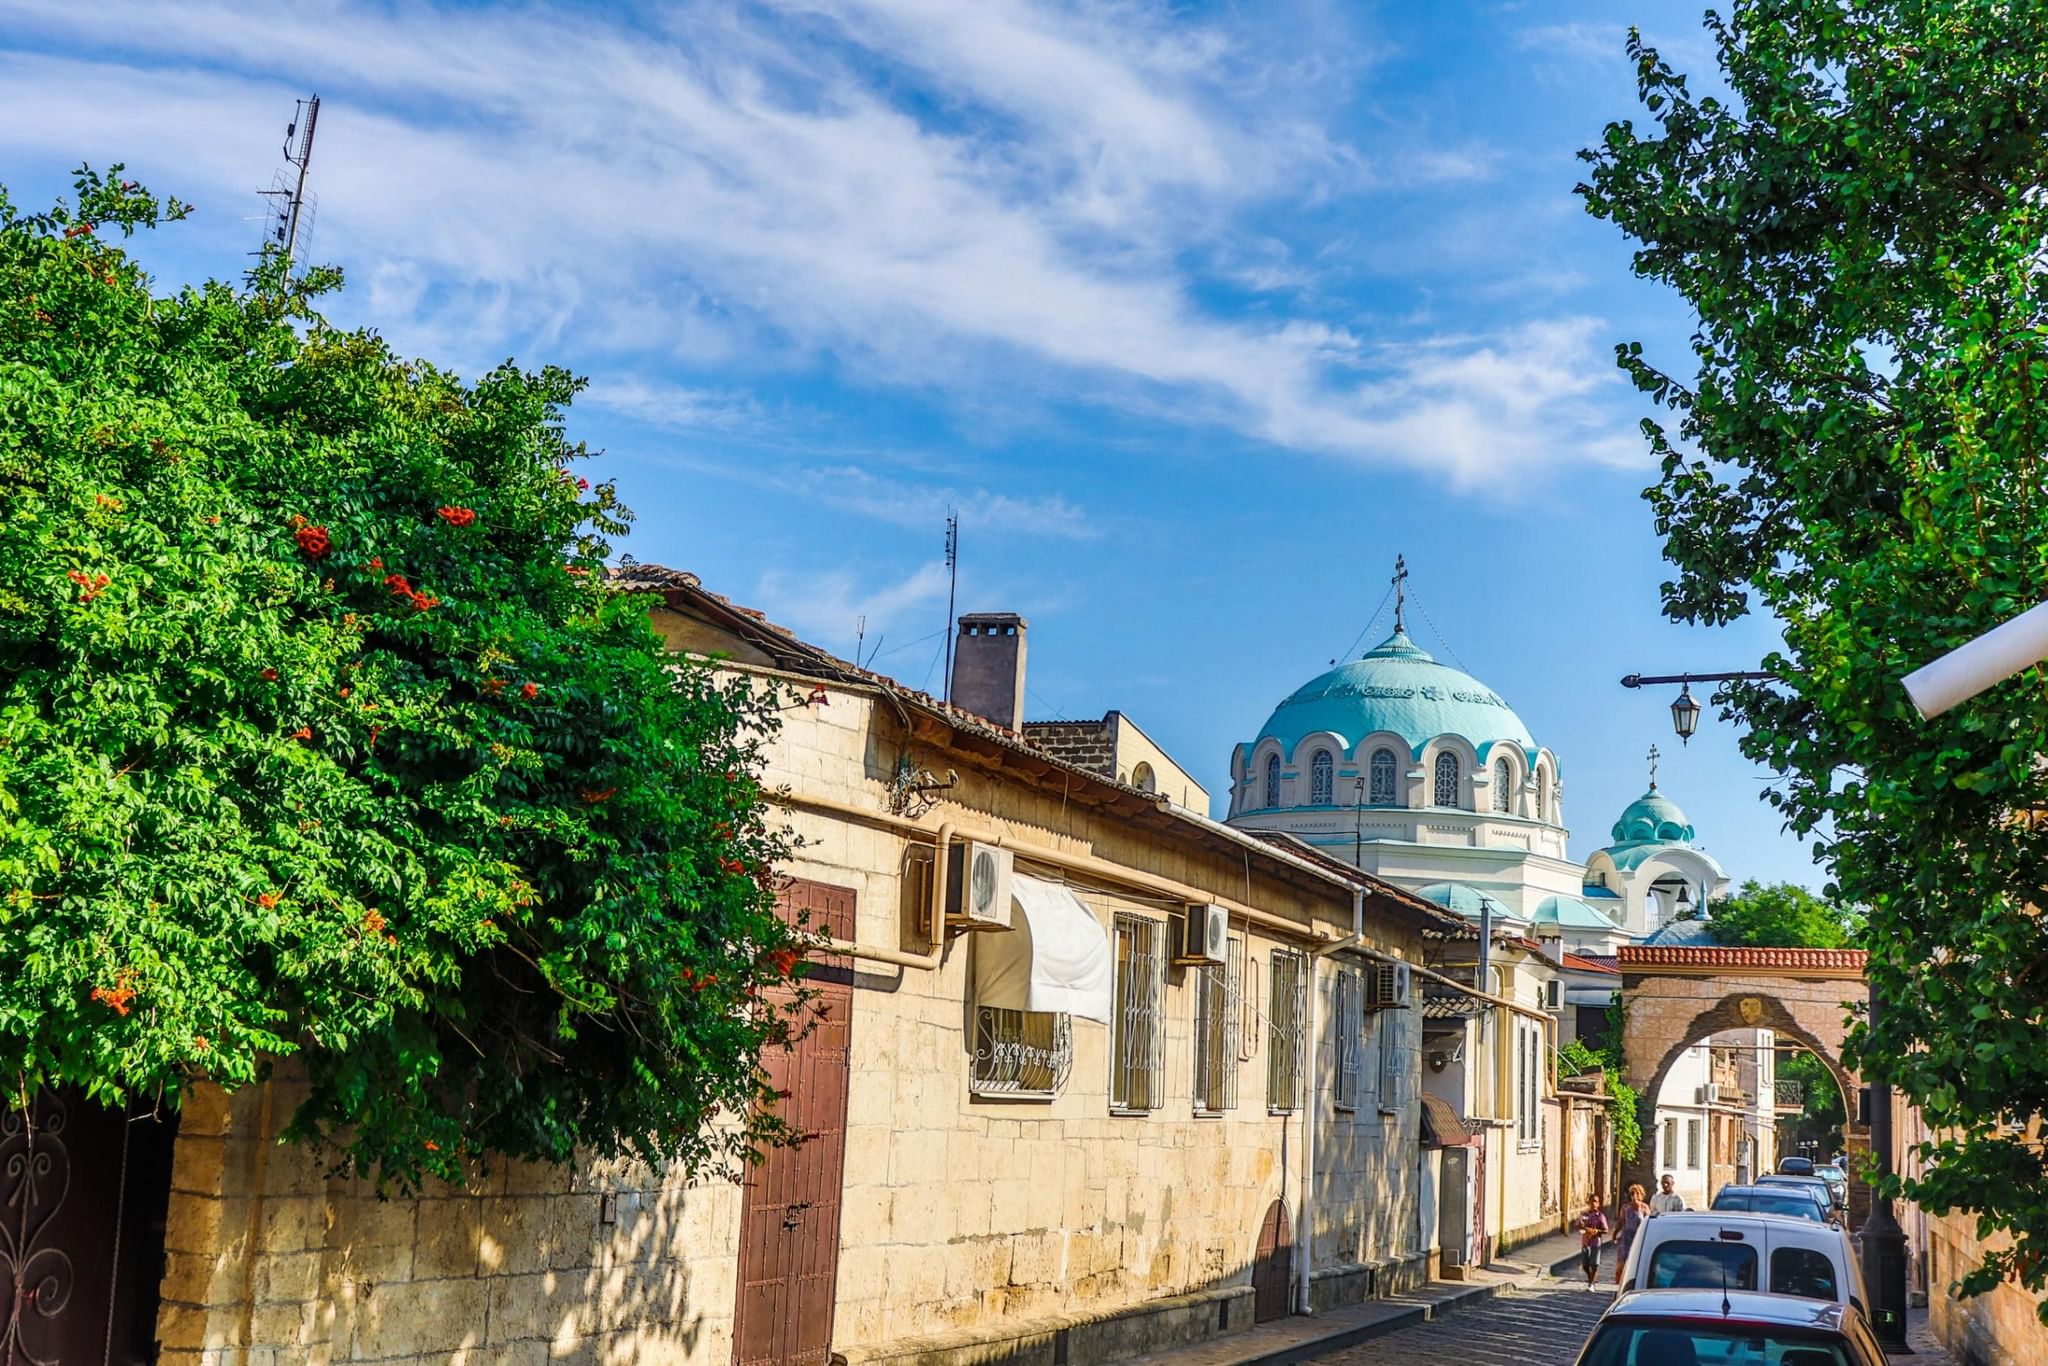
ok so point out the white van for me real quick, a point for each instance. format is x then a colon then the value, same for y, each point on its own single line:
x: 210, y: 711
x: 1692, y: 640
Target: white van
x: 1774, y: 1253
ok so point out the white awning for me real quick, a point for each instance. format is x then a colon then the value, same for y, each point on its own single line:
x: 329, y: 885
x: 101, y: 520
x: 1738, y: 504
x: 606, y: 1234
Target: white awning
x: 1055, y: 956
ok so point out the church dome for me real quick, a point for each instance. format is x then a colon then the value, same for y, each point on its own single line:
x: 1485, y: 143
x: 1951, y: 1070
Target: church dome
x: 1465, y: 900
x: 1396, y: 687
x: 1653, y: 818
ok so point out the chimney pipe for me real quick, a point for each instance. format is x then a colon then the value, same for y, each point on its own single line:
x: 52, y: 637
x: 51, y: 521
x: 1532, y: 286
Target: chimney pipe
x: 988, y: 667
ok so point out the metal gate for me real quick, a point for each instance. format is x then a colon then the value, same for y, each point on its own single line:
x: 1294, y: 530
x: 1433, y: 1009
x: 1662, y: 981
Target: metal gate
x: 789, y: 1216
x: 1453, y: 1207
x: 83, y: 1190
x: 1273, y: 1266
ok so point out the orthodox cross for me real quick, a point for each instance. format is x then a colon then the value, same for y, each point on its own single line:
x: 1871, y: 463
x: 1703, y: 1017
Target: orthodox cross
x: 1400, y: 591
x: 1653, y: 767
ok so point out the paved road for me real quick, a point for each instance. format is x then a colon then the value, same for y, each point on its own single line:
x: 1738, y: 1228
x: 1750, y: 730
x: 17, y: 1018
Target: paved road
x: 1544, y: 1325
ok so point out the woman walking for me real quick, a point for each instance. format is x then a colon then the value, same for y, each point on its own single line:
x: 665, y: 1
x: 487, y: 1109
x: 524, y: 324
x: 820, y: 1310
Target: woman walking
x: 1633, y: 1213
x: 1592, y: 1226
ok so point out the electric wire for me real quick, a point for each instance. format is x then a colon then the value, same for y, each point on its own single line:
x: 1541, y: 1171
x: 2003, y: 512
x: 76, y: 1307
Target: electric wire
x: 1371, y: 621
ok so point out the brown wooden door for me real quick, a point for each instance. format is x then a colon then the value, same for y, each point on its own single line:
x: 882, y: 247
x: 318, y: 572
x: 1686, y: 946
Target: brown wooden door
x: 789, y: 1216
x: 1273, y: 1265
x: 83, y: 1191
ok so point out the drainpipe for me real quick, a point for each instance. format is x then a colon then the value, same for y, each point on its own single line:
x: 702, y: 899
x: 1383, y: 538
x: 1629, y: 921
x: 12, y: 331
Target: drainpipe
x: 823, y: 943
x: 1312, y: 1109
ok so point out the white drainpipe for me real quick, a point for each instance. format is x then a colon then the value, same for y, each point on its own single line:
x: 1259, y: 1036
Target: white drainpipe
x: 1305, y: 1223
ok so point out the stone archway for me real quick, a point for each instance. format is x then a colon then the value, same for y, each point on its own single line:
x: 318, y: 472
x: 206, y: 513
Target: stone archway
x: 1674, y: 996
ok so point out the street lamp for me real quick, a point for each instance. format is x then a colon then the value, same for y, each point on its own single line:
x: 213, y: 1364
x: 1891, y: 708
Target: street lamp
x: 1685, y: 714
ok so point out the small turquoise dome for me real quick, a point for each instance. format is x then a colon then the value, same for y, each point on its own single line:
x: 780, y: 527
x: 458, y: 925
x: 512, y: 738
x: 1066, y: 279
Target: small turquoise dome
x: 1570, y: 913
x: 1456, y: 896
x: 1396, y: 687
x: 1653, y: 818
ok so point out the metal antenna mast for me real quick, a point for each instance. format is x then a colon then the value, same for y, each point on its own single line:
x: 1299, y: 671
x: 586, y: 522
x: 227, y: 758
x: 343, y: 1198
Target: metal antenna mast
x: 291, y: 214
x: 952, y: 583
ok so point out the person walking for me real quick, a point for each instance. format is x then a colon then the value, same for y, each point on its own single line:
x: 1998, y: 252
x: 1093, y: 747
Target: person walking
x: 1667, y: 1200
x: 1592, y: 1226
x: 1633, y: 1212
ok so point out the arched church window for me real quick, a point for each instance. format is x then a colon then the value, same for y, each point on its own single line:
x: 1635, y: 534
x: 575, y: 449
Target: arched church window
x: 1321, y: 778
x: 1383, y: 777
x: 1542, y: 798
x: 1447, y: 779
x: 1143, y: 779
x: 1272, y: 780
x: 1503, y: 777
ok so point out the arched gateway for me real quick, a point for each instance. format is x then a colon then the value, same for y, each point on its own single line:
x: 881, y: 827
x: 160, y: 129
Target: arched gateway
x: 1673, y: 996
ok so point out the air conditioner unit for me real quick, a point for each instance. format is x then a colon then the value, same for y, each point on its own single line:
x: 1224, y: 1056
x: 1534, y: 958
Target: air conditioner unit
x: 1202, y: 936
x: 978, y: 887
x: 1713, y: 1093
x: 1388, y: 986
x: 1553, y: 994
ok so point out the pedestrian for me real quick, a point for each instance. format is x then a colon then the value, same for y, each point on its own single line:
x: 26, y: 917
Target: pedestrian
x: 1633, y: 1212
x: 1592, y: 1226
x: 1667, y: 1200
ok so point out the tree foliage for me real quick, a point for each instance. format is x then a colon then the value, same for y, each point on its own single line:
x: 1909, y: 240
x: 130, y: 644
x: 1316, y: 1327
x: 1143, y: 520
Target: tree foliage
x: 1624, y: 1106
x: 320, y: 736
x: 1821, y: 1112
x: 1782, y: 915
x: 1858, y: 449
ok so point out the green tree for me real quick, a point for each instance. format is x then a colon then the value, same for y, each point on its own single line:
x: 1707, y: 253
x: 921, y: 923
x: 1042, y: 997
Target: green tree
x: 1857, y: 449
x: 1782, y: 915
x: 1821, y: 1113
x: 320, y: 736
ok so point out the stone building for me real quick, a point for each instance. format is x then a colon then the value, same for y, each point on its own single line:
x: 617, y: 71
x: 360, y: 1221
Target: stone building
x: 1093, y: 1072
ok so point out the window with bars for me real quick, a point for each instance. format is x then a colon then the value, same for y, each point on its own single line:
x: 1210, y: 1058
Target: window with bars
x: 1692, y: 1144
x: 1530, y: 1120
x: 1219, y: 995
x: 1286, y: 1012
x: 1503, y: 785
x: 1670, y: 1155
x: 1382, y: 771
x: 1137, y: 1033
x: 1022, y: 1053
x: 1446, y: 780
x: 1392, y: 1076
x: 1272, y: 780
x: 1349, y: 1011
x: 1322, y: 778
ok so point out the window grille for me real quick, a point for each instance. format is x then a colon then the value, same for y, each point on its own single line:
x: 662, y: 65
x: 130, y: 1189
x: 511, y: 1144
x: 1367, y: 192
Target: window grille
x: 1138, y: 1039
x: 1503, y: 778
x: 1670, y: 1143
x: 1219, y: 993
x: 1321, y: 778
x: 1393, y: 1092
x: 1382, y: 777
x: 1521, y: 1083
x: 1021, y: 1052
x: 1349, y: 1007
x: 1272, y: 780
x: 1446, y: 780
x: 1542, y: 798
x: 1286, y: 1012
x: 1692, y: 1144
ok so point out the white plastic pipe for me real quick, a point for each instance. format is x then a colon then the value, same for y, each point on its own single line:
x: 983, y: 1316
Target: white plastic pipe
x: 1969, y: 669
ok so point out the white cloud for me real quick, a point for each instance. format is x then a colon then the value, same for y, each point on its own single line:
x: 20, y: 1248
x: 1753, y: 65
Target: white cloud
x: 747, y: 183
x: 913, y: 505
x: 674, y: 407
x: 825, y: 606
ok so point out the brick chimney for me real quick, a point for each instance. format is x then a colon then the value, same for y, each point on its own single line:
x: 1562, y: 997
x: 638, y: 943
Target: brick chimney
x: 988, y: 667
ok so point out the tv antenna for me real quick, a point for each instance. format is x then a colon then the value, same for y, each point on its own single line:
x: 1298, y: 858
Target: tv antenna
x: 292, y: 213
x: 952, y: 583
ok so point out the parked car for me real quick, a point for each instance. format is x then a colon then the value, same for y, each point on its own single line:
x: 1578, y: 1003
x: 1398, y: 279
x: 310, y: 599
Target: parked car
x: 1776, y: 1253
x: 1795, y: 1166
x: 1772, y: 1200
x: 1814, y: 1185
x: 1838, y: 1183
x: 1710, y: 1327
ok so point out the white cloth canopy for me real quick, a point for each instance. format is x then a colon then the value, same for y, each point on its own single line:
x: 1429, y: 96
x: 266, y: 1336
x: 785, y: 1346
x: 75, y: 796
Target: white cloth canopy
x: 1055, y: 956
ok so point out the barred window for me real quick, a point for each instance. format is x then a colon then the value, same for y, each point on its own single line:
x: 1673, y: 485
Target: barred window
x: 1350, y: 1020
x: 1503, y: 780
x: 1392, y: 1079
x: 1382, y: 777
x: 1137, y: 1038
x: 1692, y: 1144
x: 1272, y: 780
x: 1670, y: 1155
x: 1529, y: 1120
x: 1021, y: 1052
x: 1446, y: 779
x: 1219, y: 992
x: 1286, y: 1010
x: 1321, y: 778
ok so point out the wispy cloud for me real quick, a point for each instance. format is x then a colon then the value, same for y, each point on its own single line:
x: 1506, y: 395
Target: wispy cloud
x: 672, y: 407
x: 827, y: 605
x: 903, y: 504
x: 751, y: 182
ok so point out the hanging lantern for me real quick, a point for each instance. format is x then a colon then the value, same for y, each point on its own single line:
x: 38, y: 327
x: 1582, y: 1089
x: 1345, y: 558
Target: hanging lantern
x: 1685, y: 713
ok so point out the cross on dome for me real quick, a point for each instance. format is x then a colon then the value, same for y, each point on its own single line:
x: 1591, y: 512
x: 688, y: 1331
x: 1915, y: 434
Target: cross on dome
x: 1653, y: 768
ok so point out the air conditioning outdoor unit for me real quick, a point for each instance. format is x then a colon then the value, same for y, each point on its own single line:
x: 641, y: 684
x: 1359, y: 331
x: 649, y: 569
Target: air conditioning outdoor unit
x: 978, y: 887
x: 1389, y: 987
x: 1204, y: 936
x: 1713, y: 1093
x: 1553, y: 995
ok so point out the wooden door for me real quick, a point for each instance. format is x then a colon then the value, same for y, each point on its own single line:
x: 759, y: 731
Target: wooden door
x: 1273, y: 1265
x: 83, y: 1190
x: 1454, y: 1207
x: 789, y: 1215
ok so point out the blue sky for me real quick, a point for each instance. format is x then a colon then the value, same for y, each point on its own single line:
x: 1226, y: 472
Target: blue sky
x: 1197, y: 314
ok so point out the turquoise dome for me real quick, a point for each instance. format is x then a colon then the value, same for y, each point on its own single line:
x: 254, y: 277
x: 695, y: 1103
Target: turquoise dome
x: 1456, y: 896
x: 1396, y: 687
x: 1570, y: 913
x: 1653, y: 818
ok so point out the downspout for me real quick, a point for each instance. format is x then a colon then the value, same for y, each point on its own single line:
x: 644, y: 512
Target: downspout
x: 935, y: 921
x: 1312, y: 1108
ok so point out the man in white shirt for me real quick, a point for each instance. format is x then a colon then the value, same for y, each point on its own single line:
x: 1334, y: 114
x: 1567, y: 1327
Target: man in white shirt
x: 1667, y: 1199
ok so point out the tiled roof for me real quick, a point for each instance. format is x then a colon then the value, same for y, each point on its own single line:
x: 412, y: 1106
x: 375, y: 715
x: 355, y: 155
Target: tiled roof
x: 1703, y: 956
x: 1441, y: 1126
x: 1587, y: 963
x: 1451, y: 1006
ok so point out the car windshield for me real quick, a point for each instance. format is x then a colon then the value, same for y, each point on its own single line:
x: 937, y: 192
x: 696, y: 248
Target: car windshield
x: 1709, y: 1344
x: 1767, y: 1202
x: 1682, y: 1264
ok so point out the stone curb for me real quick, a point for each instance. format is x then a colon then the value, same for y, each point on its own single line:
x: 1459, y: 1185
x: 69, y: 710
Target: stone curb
x: 1352, y: 1334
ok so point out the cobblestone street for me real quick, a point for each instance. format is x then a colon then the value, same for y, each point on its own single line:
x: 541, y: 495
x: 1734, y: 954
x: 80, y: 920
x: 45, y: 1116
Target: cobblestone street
x: 1544, y: 1324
